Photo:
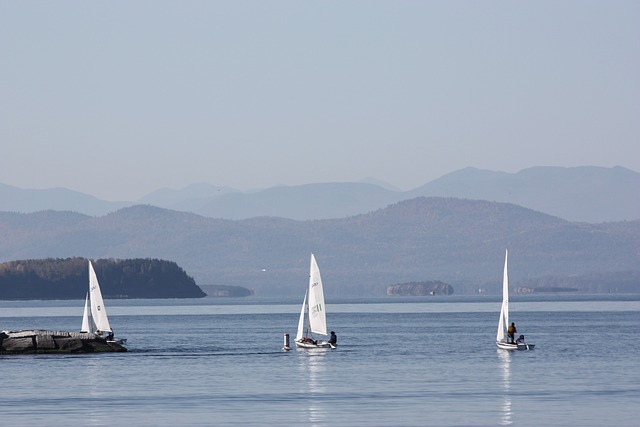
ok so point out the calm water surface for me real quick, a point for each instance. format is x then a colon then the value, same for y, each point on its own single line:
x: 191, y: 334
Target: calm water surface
x: 400, y: 363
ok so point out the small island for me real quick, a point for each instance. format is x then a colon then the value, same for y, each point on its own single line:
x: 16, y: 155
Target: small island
x: 420, y: 289
x: 544, y: 289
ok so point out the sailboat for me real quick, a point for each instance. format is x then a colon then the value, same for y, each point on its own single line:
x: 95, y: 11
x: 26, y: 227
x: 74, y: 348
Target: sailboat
x: 94, y: 318
x: 313, y: 317
x: 501, y: 338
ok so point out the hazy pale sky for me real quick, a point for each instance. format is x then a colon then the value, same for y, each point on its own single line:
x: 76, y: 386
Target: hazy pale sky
x: 120, y: 98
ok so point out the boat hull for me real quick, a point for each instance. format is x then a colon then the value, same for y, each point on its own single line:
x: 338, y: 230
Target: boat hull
x: 513, y: 347
x: 321, y: 344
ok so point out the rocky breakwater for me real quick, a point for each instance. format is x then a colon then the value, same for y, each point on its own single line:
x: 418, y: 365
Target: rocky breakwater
x: 41, y: 341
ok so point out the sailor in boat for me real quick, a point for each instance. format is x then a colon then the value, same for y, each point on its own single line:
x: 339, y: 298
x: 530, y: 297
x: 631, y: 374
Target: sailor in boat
x: 333, y: 339
x: 511, y: 333
x: 520, y: 340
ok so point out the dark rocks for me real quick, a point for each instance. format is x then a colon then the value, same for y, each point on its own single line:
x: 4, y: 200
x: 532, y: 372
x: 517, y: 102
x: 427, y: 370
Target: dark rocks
x: 19, y: 345
x: 40, y: 341
x: 45, y: 342
x: 69, y: 345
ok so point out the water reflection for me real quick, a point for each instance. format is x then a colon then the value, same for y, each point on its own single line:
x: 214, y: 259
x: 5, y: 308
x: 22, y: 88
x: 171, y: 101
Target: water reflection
x: 94, y: 371
x: 312, y: 367
x: 505, y: 370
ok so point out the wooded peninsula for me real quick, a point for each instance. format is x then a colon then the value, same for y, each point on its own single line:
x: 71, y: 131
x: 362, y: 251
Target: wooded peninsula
x: 68, y: 278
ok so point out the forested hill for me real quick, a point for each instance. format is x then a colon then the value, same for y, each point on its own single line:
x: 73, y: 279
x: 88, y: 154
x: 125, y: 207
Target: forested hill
x: 69, y: 279
x: 456, y: 241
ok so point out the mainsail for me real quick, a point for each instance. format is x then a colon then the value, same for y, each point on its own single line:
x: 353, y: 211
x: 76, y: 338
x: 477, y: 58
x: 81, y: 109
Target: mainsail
x: 317, y: 314
x: 98, y: 311
x: 503, y: 323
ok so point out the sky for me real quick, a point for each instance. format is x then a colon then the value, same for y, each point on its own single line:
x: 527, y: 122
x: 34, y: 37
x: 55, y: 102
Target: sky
x: 118, y: 99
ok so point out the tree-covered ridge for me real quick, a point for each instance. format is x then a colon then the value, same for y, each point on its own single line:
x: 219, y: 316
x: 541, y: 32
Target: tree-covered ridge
x: 461, y: 242
x: 68, y: 278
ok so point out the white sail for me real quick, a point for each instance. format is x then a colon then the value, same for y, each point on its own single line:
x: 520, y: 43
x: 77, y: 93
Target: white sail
x: 503, y: 323
x: 301, y: 325
x: 86, y: 326
x: 317, y: 314
x: 98, y: 310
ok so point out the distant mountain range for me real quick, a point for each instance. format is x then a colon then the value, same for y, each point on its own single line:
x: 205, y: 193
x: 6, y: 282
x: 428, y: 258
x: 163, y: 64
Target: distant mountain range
x: 457, y: 241
x: 586, y: 194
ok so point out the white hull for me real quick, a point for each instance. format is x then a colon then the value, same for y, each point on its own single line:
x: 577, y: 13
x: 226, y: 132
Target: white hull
x: 509, y: 346
x: 321, y: 344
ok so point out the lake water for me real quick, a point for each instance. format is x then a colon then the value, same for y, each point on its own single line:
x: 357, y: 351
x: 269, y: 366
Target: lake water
x: 400, y: 362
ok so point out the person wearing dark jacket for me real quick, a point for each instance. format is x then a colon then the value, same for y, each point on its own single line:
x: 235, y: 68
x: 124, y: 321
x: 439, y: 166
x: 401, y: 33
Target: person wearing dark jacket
x: 511, y: 333
x: 333, y: 339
